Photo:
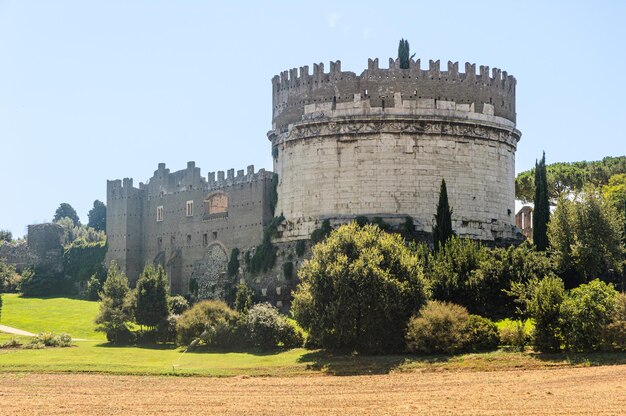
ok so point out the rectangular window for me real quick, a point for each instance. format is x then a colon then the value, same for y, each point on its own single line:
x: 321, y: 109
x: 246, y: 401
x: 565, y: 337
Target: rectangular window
x: 205, y: 240
x: 160, y: 213
x: 188, y: 238
x: 189, y: 208
x: 172, y: 240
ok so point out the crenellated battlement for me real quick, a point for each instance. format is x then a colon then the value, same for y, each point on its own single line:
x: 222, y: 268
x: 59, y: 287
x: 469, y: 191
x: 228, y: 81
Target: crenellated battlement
x: 231, y: 179
x: 294, y: 89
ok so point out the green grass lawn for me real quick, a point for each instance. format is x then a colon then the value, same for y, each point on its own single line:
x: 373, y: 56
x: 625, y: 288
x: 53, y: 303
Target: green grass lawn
x: 35, y: 315
x: 76, y: 318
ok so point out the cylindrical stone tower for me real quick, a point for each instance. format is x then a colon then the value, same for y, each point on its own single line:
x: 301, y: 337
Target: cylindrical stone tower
x: 378, y: 145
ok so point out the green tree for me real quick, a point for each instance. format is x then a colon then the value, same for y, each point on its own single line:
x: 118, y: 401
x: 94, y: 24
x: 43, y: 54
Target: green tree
x: 545, y: 309
x: 6, y: 235
x: 243, y: 298
x: 541, y: 211
x: 151, y: 297
x: 233, y: 263
x: 561, y: 234
x: 442, y: 229
x: 587, y: 236
x: 98, y: 216
x: 114, y: 311
x: 404, y: 54
x: 568, y: 178
x: 65, y: 210
x: 586, y: 314
x: 358, y: 290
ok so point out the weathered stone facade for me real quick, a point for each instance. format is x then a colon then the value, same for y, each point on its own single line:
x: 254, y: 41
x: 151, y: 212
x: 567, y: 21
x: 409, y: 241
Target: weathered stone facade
x: 378, y: 145
x: 43, y: 248
x: 186, y: 222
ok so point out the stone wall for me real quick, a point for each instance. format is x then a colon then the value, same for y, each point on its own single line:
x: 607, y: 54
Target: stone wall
x: 351, y: 159
x: 169, y: 221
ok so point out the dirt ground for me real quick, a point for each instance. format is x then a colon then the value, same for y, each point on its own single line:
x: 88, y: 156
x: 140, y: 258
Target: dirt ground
x: 570, y: 391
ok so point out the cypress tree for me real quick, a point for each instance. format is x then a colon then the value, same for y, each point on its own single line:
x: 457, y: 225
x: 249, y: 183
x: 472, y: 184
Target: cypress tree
x: 442, y: 229
x: 541, y: 212
x: 403, y: 54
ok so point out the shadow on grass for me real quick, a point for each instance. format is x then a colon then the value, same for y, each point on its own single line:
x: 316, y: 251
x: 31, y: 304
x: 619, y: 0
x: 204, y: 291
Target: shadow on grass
x: 346, y: 364
x: 202, y: 349
x: 586, y: 359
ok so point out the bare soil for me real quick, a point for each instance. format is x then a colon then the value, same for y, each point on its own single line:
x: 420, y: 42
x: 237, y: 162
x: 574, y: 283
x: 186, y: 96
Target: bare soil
x: 562, y: 391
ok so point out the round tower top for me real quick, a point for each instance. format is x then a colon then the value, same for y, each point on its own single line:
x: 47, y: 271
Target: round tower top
x: 294, y: 89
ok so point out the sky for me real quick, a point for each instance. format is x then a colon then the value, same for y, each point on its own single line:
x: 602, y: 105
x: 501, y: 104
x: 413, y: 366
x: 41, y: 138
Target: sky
x: 97, y: 90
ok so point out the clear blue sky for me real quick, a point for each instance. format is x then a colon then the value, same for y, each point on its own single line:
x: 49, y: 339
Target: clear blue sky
x: 97, y: 90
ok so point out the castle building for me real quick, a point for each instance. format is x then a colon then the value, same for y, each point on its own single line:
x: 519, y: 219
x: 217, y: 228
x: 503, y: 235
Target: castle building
x: 187, y: 223
x: 344, y: 145
x: 378, y: 144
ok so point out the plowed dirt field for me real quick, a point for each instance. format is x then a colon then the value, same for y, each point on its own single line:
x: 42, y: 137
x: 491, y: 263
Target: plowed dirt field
x: 569, y: 391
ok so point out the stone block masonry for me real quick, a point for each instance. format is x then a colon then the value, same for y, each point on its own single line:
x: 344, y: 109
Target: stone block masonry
x: 186, y: 222
x: 378, y: 145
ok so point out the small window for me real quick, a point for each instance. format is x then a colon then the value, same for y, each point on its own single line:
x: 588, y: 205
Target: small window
x: 160, y: 213
x: 189, y: 210
x: 205, y: 240
x: 188, y: 238
x: 214, y: 235
x: 160, y: 243
x: 172, y: 240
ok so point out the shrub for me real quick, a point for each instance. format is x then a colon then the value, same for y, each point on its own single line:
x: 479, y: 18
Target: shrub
x: 150, y: 297
x: 322, y: 232
x: 359, y: 290
x: 166, y: 329
x: 12, y: 343
x: 266, y: 328
x: 50, y: 339
x: 585, y: 315
x: 243, y: 298
x: 94, y: 287
x: 288, y: 270
x: 207, y: 320
x: 115, y: 310
x: 615, y: 337
x: 545, y: 309
x: 438, y: 328
x: 9, y: 278
x: 481, y: 334
x: 515, y: 333
x: 300, y: 247
x: 177, y: 304
x: 43, y: 281
x: 233, y: 263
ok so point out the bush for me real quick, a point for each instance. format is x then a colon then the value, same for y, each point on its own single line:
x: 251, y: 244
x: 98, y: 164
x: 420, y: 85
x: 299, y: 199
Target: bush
x: 300, y: 247
x: 166, y: 329
x: 288, y: 270
x: 50, y: 339
x: 359, y: 290
x: 266, y: 328
x: 515, y: 333
x: 481, y: 334
x: 9, y: 278
x: 115, y: 307
x: 177, y: 304
x: 438, y: 328
x: 243, y: 298
x: 545, y: 309
x: 12, y: 343
x: 615, y: 337
x: 94, y: 287
x: 43, y: 281
x: 586, y: 314
x: 233, y: 263
x: 150, y: 297
x: 211, y: 321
